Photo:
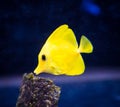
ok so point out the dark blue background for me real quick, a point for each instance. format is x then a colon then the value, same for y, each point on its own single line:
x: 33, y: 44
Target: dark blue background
x: 26, y: 24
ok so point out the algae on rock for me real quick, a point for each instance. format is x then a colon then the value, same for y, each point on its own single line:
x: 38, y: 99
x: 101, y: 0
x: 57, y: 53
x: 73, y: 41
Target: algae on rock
x: 38, y: 92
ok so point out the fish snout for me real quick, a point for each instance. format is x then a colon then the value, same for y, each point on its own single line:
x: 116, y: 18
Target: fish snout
x: 38, y: 70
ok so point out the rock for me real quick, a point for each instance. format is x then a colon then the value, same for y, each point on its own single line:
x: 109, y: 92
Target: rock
x: 38, y: 92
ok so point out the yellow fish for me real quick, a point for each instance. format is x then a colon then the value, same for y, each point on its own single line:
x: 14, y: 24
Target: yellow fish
x: 61, y: 54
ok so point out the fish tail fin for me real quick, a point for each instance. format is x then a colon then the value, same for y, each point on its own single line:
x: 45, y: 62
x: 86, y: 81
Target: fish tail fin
x: 85, y: 45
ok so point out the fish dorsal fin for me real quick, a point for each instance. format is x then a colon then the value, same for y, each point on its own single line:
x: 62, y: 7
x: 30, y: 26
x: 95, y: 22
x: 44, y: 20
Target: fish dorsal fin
x: 85, y: 45
x: 63, y: 34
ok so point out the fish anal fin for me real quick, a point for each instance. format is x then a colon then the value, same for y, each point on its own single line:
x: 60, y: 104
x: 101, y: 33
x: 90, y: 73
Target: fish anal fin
x: 77, y: 67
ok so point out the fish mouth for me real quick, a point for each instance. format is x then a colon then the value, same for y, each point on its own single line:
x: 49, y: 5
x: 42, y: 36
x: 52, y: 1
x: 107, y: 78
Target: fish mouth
x: 36, y: 72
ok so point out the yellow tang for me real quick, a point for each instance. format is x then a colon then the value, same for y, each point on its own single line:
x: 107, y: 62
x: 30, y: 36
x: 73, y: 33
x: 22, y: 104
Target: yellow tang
x: 61, y: 54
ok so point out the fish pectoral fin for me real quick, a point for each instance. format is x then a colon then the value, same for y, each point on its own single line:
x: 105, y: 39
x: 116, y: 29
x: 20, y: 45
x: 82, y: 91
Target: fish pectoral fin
x: 85, y: 45
x: 54, y: 69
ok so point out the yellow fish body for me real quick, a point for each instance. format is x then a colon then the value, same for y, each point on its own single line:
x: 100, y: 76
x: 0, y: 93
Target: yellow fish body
x: 61, y: 54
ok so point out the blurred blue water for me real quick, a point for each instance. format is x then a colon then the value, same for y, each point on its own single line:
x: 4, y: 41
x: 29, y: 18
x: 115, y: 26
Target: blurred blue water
x: 88, y: 90
x: 94, y: 94
x: 8, y: 96
x: 90, y: 7
x: 91, y: 94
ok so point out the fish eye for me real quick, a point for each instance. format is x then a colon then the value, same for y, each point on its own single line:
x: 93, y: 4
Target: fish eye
x: 43, y: 57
